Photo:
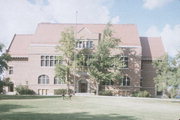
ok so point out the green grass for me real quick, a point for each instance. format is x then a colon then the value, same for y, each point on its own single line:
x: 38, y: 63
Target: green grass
x: 86, y: 108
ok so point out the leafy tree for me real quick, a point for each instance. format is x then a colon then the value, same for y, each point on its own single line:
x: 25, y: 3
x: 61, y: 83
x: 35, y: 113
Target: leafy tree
x: 66, y: 48
x: 163, y: 73
x: 4, y: 58
x: 103, y: 66
x: 168, y: 75
x: 175, y: 82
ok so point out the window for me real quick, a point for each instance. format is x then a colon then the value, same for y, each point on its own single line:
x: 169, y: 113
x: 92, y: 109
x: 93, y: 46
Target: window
x: 43, y: 79
x: 84, y: 44
x: 124, y: 60
x: 125, y: 81
x: 49, y: 60
x: 42, y: 60
x: 26, y: 82
x: 52, y: 61
x: 58, y: 81
x: 10, y: 70
x: 91, y: 44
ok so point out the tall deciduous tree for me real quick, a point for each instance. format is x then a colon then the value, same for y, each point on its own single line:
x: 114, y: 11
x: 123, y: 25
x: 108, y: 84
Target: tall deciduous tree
x: 163, y: 73
x: 4, y: 58
x: 103, y: 66
x: 66, y: 48
x: 167, y: 77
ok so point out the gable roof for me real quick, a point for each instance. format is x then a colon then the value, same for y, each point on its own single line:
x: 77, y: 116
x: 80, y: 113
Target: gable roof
x: 152, y: 47
x: 19, y: 45
x: 51, y: 33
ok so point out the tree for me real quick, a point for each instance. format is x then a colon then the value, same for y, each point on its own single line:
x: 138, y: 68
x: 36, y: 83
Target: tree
x: 4, y: 58
x: 175, y: 82
x: 167, y: 77
x: 103, y: 66
x: 66, y: 48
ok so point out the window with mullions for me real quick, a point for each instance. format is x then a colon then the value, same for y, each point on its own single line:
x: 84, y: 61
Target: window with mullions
x: 124, y: 60
x: 49, y: 60
x: 10, y: 70
x: 125, y: 81
x: 43, y: 79
x: 84, y: 44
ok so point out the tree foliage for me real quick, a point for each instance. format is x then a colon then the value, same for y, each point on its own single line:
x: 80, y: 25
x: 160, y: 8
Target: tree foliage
x: 4, y: 58
x: 66, y: 49
x: 168, y: 75
x: 103, y: 66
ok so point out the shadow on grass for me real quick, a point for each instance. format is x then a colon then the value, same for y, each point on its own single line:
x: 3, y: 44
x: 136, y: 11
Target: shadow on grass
x: 5, y: 97
x: 63, y: 116
x: 9, y: 107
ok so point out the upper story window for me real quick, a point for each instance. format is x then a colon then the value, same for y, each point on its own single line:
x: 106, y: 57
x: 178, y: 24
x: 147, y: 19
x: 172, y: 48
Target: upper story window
x: 10, y: 70
x: 125, y: 81
x: 124, y: 60
x: 49, y: 60
x: 58, y: 81
x: 43, y: 79
x: 84, y: 44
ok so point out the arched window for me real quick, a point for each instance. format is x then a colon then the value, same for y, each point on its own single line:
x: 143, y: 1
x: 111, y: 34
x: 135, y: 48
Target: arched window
x: 125, y: 81
x: 43, y: 79
x: 58, y: 81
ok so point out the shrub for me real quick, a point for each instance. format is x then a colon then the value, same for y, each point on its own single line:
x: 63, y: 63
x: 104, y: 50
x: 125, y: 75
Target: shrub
x: 24, y: 90
x: 141, y: 94
x: 62, y: 91
x: 106, y: 93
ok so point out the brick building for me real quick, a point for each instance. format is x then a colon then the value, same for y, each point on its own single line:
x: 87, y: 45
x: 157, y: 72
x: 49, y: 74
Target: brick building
x: 34, y: 58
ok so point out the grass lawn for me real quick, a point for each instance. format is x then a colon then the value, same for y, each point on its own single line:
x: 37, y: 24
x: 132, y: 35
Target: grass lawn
x: 87, y: 108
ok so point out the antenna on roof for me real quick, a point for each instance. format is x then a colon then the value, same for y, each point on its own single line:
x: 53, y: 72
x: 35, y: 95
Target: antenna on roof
x: 74, y: 53
x: 76, y: 22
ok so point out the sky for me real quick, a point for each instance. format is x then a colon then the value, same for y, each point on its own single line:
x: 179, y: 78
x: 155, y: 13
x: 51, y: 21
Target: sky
x: 153, y: 18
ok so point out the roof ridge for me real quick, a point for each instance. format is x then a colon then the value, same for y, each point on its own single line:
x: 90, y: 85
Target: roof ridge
x: 82, y: 23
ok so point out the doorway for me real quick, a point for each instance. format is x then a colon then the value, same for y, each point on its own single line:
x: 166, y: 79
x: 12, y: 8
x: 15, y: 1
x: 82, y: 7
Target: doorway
x: 83, y: 86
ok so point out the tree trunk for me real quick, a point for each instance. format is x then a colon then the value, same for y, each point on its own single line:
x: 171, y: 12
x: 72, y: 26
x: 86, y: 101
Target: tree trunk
x: 97, y: 88
x: 68, y: 92
x: 67, y: 79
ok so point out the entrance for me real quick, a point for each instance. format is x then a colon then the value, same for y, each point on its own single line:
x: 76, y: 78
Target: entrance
x: 83, y: 86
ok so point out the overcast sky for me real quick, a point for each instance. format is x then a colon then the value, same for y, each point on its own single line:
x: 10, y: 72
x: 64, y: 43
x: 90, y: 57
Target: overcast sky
x: 153, y: 17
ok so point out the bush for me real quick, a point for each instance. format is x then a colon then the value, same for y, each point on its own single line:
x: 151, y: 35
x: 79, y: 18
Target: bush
x: 24, y: 90
x: 62, y: 91
x: 141, y: 94
x: 106, y: 93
